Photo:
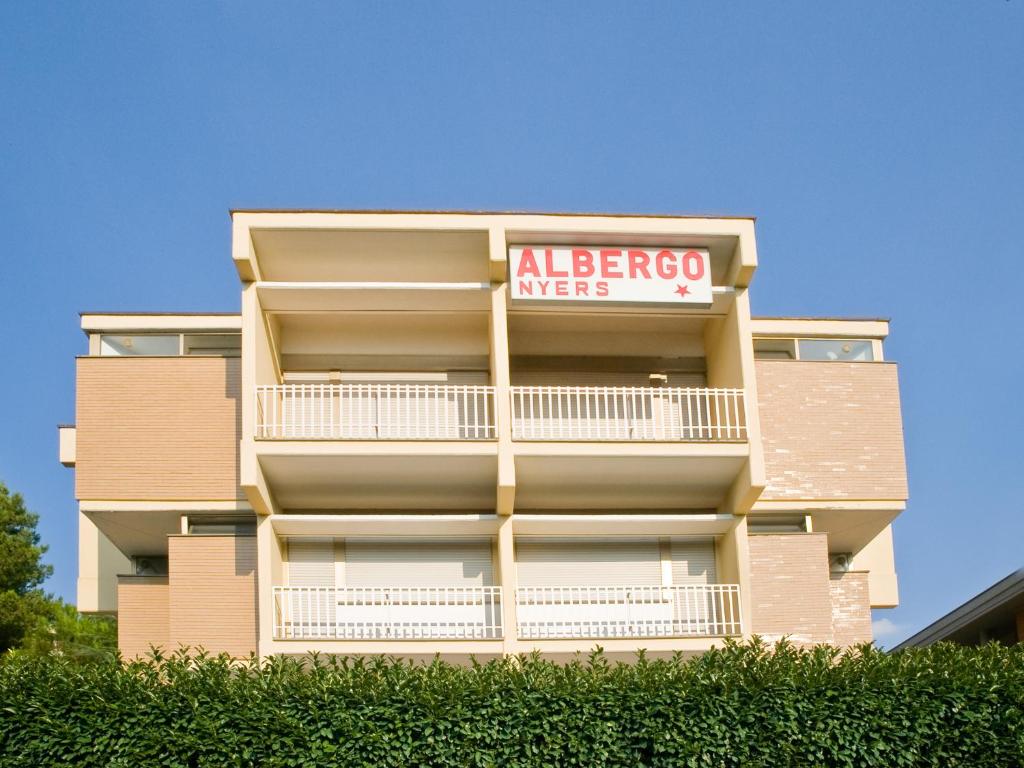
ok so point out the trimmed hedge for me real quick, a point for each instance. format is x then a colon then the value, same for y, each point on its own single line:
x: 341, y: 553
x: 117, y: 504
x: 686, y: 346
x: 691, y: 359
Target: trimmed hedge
x: 738, y: 706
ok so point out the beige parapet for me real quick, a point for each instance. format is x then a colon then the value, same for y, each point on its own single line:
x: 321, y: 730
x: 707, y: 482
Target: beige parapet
x: 831, y: 430
x: 158, y: 428
x: 143, y: 617
x: 213, y: 600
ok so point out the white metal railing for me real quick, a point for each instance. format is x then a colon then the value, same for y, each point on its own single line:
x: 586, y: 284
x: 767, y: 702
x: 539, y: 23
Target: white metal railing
x: 628, y: 413
x: 628, y: 611
x: 387, y: 613
x: 374, y: 412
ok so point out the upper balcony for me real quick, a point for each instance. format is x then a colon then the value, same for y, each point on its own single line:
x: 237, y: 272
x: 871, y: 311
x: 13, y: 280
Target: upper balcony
x: 389, y: 365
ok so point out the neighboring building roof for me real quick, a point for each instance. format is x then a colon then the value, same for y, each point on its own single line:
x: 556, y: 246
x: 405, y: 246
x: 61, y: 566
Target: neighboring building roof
x: 1002, y: 600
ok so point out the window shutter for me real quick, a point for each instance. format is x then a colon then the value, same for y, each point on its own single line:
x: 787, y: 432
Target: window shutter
x: 693, y: 561
x: 567, y: 562
x: 421, y: 564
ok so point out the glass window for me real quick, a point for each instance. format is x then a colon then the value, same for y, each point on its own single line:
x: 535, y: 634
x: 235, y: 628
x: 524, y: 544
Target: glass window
x: 221, y: 526
x: 159, y: 345
x: 775, y: 349
x: 214, y: 344
x: 853, y: 350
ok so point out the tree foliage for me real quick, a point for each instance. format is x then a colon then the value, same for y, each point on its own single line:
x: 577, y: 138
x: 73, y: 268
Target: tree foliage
x: 749, y: 705
x: 22, y: 571
x: 64, y: 631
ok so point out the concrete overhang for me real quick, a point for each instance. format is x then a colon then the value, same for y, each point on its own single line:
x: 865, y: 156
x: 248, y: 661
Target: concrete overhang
x: 810, y: 327
x: 380, y: 474
x: 625, y: 475
x: 152, y: 322
x: 375, y: 245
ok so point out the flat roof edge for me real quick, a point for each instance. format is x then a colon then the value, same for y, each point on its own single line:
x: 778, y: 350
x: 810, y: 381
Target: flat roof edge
x: 825, y: 318
x: 462, y: 212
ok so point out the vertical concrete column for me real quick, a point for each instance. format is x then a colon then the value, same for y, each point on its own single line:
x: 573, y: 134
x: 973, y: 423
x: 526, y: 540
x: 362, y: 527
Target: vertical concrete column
x: 507, y: 575
x: 268, y: 569
x: 500, y: 376
x: 733, y: 558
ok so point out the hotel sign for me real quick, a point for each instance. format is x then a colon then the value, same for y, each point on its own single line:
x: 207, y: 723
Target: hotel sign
x: 610, y: 274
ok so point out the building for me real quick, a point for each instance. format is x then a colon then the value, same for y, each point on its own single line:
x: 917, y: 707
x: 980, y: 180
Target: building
x: 993, y: 616
x: 475, y: 433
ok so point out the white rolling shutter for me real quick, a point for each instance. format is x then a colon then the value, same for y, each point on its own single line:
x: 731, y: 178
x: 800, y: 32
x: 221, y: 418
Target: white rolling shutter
x: 310, y: 563
x: 596, y: 411
x: 416, y: 404
x: 693, y: 561
x: 418, y: 564
x: 600, y: 379
x: 567, y: 562
x: 310, y: 607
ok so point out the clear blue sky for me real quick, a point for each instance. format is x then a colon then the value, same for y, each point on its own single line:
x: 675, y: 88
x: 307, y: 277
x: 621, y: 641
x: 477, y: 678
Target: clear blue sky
x: 879, y: 144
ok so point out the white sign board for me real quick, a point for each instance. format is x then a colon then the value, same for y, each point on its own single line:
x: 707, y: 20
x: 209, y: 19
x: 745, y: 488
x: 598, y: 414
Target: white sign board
x: 610, y: 274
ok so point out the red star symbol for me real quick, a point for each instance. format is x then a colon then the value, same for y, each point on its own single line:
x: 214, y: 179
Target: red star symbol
x: 682, y: 290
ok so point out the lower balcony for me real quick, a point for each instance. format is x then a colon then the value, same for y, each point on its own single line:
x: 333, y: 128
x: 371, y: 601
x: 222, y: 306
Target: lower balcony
x: 635, y: 611
x: 387, y: 613
x: 475, y: 613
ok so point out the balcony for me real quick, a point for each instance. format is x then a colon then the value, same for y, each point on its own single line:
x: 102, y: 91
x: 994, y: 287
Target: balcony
x: 474, y: 613
x: 387, y: 613
x: 434, y: 446
x: 374, y: 412
x: 628, y: 414
x: 599, y: 612
x: 449, y: 412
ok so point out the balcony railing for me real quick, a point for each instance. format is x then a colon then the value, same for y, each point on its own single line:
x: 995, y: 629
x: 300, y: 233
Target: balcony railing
x: 710, y: 610
x: 374, y: 412
x: 628, y: 413
x: 387, y: 613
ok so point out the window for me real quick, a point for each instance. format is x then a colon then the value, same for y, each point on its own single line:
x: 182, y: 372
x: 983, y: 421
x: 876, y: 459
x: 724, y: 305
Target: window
x: 775, y: 349
x: 140, y: 344
x: 221, y: 526
x: 777, y: 524
x: 171, y: 344
x: 213, y: 344
x: 852, y: 350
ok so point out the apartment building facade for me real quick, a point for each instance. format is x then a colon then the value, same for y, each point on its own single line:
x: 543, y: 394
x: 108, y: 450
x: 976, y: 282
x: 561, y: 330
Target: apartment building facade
x: 485, y: 434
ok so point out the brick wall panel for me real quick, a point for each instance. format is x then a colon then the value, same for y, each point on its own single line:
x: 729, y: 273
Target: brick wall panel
x: 831, y: 430
x: 158, y: 428
x: 851, y: 608
x: 143, y: 614
x: 213, y: 593
x: 789, y: 587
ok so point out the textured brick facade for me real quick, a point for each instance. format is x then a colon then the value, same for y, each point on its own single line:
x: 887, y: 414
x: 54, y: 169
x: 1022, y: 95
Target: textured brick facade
x: 851, y: 611
x: 213, y: 593
x: 789, y: 587
x: 143, y: 614
x: 156, y: 428
x: 831, y: 430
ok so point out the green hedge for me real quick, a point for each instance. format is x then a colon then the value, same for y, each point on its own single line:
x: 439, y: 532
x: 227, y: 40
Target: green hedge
x: 739, y: 706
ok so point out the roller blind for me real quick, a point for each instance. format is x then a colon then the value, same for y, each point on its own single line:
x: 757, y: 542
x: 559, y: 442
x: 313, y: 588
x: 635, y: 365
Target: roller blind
x: 563, y: 562
x: 600, y: 379
x: 418, y: 564
x: 310, y: 563
x: 693, y: 561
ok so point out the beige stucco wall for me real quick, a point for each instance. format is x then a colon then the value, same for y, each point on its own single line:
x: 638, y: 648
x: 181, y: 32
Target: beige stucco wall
x: 831, y: 430
x: 790, y: 587
x: 158, y: 428
x: 99, y: 564
x: 143, y: 616
x: 213, y: 593
x: 851, y: 612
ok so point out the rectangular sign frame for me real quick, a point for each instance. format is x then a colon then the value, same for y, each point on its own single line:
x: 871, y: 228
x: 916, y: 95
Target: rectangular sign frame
x: 610, y: 274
